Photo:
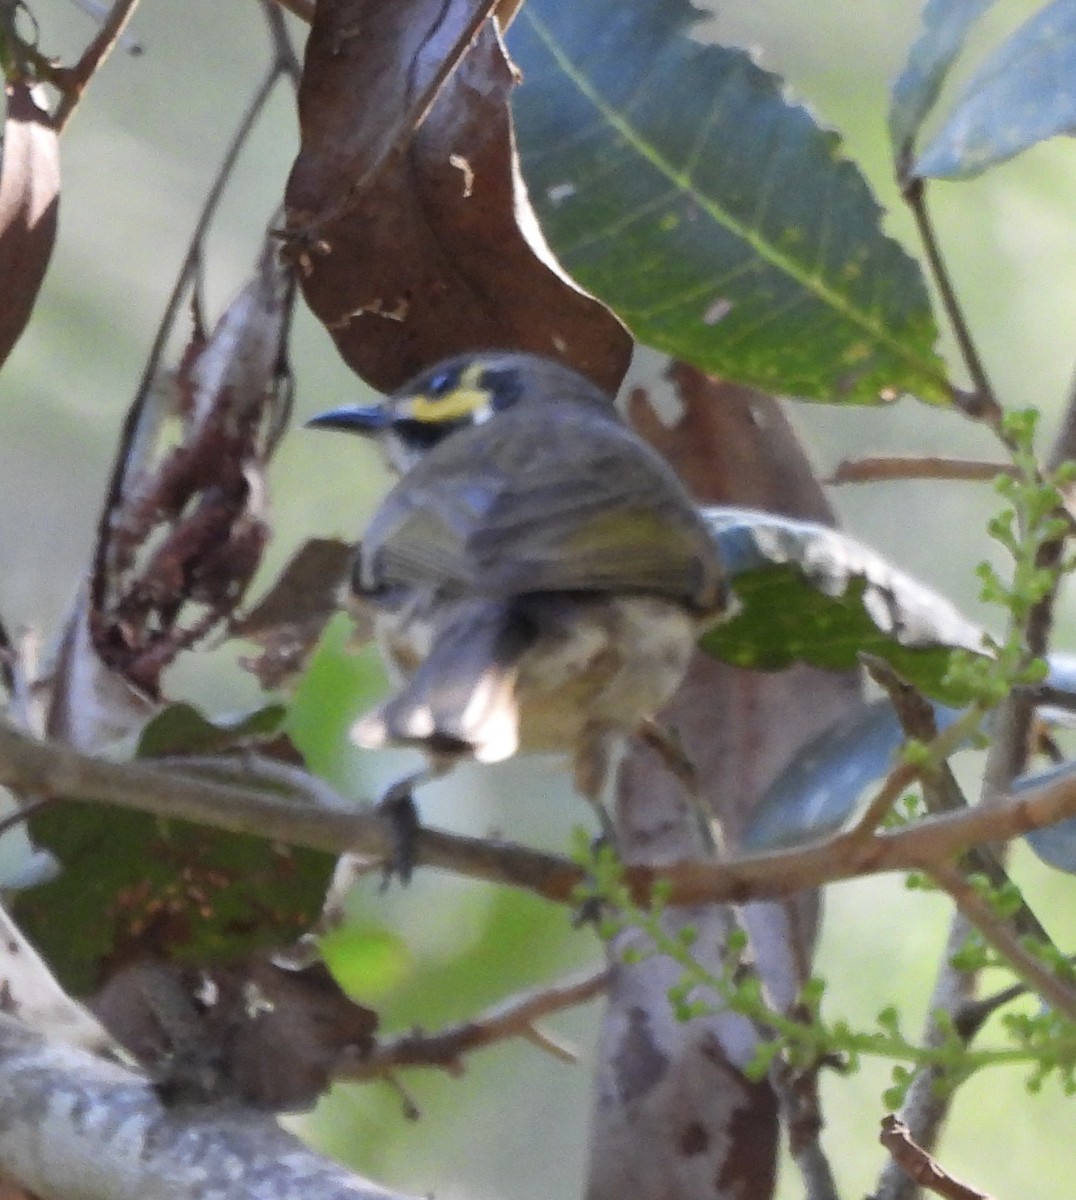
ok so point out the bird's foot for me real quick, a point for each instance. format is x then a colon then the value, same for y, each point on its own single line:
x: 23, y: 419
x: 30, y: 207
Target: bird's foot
x: 399, y: 808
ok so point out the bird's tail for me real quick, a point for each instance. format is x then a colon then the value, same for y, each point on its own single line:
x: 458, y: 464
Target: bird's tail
x: 461, y: 700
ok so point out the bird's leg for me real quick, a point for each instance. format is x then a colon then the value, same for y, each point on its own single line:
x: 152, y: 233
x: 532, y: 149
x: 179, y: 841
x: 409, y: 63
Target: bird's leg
x: 397, y: 805
x: 666, y: 745
x: 595, y: 769
x: 596, y: 766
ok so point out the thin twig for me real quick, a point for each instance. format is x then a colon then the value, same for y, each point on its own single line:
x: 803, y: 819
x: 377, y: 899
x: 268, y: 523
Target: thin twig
x: 927, y: 1103
x: 885, y: 468
x: 974, y: 1015
x: 283, y: 51
x: 920, y: 1167
x: 941, y: 792
x: 801, y: 1112
x: 982, y: 404
x: 512, y: 1018
x: 1000, y: 935
x: 74, y: 80
x: 939, y: 748
x: 8, y: 658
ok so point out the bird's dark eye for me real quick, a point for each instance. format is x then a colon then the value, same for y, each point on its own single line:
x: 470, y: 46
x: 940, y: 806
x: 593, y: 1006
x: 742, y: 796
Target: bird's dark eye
x: 441, y: 384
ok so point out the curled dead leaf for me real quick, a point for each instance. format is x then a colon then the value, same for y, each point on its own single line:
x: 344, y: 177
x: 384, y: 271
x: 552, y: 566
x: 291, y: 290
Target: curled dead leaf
x: 29, y: 204
x: 414, y: 244
x: 289, y: 619
x: 184, y: 527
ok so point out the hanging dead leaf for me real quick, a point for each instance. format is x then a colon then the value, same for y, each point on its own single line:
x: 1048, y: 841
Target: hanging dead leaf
x: 288, y: 620
x: 29, y: 203
x: 417, y: 244
x: 184, y: 527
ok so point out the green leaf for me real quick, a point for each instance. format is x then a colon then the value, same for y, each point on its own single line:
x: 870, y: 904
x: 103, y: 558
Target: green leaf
x: 810, y: 594
x: 719, y: 220
x: 133, y: 887
x: 337, y: 687
x: 182, y: 729
x: 945, y: 29
x: 1024, y: 93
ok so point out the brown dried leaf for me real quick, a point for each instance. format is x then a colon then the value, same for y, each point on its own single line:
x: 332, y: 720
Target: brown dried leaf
x: 251, y: 1031
x: 415, y: 245
x: 184, y: 529
x: 29, y: 203
x: 288, y: 620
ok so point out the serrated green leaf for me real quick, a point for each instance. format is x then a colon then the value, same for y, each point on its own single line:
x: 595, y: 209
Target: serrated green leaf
x: 1023, y: 94
x: 945, y: 29
x: 719, y: 220
x: 810, y: 594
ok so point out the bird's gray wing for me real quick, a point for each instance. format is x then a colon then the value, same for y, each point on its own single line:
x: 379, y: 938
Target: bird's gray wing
x: 552, y: 498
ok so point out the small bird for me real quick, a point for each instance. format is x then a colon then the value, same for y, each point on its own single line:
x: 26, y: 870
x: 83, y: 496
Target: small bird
x: 538, y: 575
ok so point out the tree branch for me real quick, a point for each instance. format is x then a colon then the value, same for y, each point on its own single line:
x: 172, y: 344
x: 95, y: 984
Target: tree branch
x: 885, y: 468
x: 74, y: 1125
x: 75, y: 80
x: 1000, y: 935
x: 512, y: 1018
x: 982, y: 403
x: 920, y: 1166
x: 51, y: 769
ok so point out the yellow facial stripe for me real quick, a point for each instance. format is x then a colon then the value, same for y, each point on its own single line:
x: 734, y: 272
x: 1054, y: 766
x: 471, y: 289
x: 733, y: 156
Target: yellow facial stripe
x: 463, y: 401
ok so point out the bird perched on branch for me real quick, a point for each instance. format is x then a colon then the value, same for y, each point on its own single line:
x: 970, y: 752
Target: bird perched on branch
x: 538, y: 576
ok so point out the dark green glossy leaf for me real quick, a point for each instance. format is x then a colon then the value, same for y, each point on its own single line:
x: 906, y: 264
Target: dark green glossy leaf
x: 182, y: 729
x: 1024, y: 93
x: 720, y: 221
x: 945, y: 28
x: 810, y: 594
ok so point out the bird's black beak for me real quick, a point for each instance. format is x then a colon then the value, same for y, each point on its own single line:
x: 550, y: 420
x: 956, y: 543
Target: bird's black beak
x: 353, y: 418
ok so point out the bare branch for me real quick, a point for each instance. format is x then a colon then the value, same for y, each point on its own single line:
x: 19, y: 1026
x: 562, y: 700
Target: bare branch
x: 926, y: 1104
x: 512, y: 1018
x: 982, y: 403
x: 1000, y: 935
x: 801, y: 1111
x: 74, y: 80
x: 890, y: 467
x: 920, y: 1166
x: 30, y: 766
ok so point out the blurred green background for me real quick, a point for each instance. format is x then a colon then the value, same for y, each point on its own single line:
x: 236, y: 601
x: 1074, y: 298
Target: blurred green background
x: 137, y: 161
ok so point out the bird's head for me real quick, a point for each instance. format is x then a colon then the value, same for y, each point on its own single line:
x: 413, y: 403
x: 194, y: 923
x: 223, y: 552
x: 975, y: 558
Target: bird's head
x: 458, y: 393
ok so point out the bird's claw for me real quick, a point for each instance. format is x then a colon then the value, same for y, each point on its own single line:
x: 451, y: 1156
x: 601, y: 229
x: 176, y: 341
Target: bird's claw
x: 399, y: 808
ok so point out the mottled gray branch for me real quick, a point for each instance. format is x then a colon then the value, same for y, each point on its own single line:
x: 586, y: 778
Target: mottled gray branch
x: 74, y: 1125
